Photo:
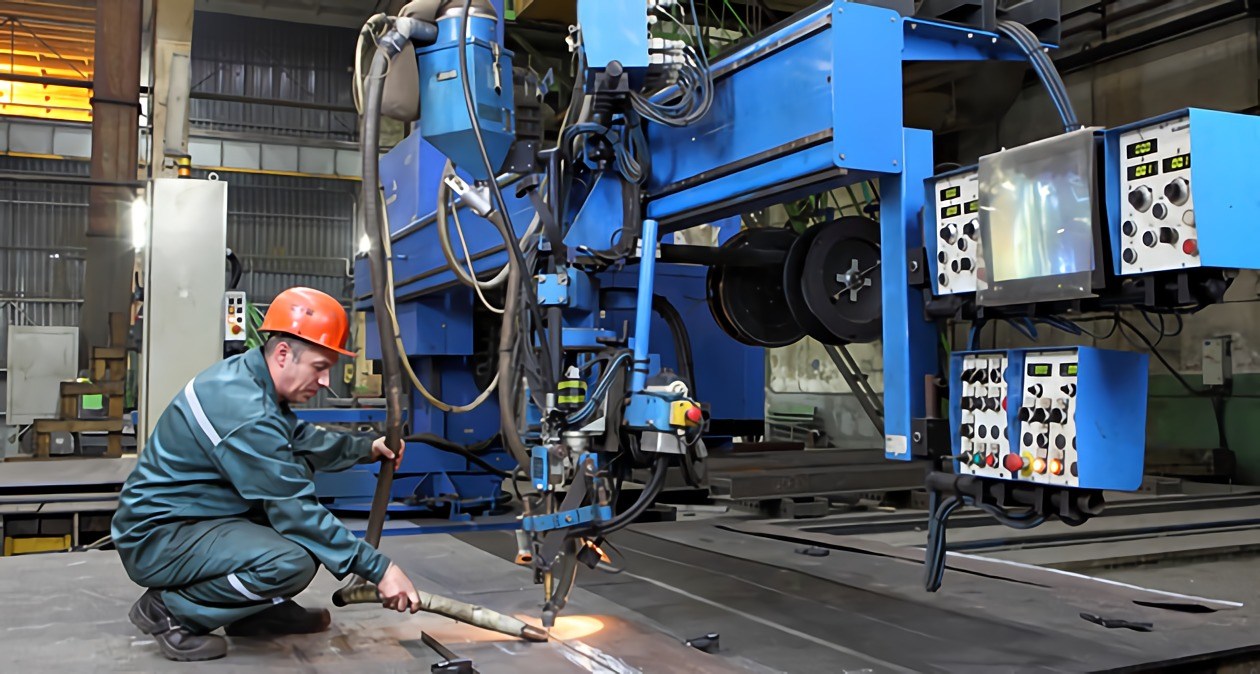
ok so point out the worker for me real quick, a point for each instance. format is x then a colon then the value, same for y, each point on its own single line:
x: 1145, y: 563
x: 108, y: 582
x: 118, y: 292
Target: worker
x: 220, y: 520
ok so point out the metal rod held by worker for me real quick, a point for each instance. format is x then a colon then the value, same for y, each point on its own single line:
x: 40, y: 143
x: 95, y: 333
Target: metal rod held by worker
x: 477, y: 616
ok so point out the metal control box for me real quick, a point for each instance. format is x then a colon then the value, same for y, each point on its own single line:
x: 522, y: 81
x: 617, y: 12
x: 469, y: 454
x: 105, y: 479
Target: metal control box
x: 951, y: 226
x: 1069, y: 417
x: 616, y: 31
x: 1180, y: 193
x: 234, y: 326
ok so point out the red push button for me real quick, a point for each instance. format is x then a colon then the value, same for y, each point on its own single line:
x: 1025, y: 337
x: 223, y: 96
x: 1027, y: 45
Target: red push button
x: 694, y: 415
x: 236, y: 329
x: 991, y: 460
x: 1190, y: 247
x: 1013, y: 463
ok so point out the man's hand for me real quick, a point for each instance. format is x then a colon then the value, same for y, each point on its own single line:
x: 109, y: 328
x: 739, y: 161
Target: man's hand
x: 397, y: 592
x: 379, y: 450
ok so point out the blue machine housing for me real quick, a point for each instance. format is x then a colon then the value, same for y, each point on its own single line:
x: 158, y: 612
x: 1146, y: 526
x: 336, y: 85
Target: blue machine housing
x: 615, y: 31
x: 1109, y: 409
x: 1226, y: 201
x: 444, y: 117
x: 749, y: 152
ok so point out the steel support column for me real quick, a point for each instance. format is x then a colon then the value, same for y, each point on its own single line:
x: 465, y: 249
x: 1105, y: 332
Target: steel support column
x: 115, y: 131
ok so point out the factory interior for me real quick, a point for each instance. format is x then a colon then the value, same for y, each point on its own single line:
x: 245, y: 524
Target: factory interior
x: 630, y: 336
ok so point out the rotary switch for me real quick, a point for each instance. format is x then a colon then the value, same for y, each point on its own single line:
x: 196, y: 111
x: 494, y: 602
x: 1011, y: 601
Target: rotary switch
x: 1178, y: 191
x: 1140, y: 198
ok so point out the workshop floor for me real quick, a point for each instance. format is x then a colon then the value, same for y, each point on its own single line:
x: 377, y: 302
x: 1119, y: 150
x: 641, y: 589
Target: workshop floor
x: 775, y: 611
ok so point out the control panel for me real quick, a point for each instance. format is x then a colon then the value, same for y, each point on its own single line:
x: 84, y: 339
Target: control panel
x: 234, y: 316
x: 1158, y: 230
x: 1180, y: 193
x: 953, y: 230
x: 1068, y: 417
x: 983, y: 433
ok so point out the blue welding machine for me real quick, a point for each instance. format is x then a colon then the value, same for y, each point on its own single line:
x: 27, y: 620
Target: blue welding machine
x: 1069, y: 417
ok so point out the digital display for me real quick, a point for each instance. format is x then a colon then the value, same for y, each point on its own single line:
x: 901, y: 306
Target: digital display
x: 1146, y: 170
x: 951, y: 193
x: 1178, y: 163
x: 1038, y: 370
x: 973, y: 206
x: 951, y: 211
x: 1067, y: 370
x: 1143, y: 148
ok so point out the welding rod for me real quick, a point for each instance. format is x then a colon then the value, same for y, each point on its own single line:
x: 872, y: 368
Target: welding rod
x: 472, y: 614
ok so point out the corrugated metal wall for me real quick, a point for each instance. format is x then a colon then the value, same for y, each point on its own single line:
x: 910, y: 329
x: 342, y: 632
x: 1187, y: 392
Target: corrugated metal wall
x: 277, y: 61
x: 291, y: 231
x: 288, y: 231
x: 42, y: 229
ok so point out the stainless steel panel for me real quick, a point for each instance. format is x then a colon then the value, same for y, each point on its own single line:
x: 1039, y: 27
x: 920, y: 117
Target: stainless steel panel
x: 184, y: 286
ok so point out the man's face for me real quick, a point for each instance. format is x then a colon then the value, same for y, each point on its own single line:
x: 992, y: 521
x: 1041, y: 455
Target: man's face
x: 300, y: 373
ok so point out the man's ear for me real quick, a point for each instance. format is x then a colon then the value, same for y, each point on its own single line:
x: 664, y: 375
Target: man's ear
x: 283, y: 353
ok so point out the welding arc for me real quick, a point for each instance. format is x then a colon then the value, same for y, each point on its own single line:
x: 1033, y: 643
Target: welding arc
x: 477, y: 616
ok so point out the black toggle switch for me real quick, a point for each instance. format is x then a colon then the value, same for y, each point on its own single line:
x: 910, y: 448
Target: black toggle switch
x: 1069, y: 390
x: 1167, y: 235
x: 1036, y: 390
x: 966, y: 431
x: 1057, y: 416
x: 1039, y: 415
x: 1025, y: 413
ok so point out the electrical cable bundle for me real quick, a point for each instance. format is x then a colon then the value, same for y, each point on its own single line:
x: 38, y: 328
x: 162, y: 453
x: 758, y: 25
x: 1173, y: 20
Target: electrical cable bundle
x: 1045, y: 68
x: 689, y: 100
x: 938, y: 521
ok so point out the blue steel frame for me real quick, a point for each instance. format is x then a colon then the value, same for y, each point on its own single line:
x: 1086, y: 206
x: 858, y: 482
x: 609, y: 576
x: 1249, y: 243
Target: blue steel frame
x: 752, y: 150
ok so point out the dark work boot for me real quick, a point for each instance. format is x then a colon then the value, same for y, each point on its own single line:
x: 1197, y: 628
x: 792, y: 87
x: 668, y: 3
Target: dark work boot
x: 179, y: 643
x: 283, y: 618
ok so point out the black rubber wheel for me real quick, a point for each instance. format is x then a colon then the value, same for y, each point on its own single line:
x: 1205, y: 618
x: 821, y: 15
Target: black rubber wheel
x: 749, y: 303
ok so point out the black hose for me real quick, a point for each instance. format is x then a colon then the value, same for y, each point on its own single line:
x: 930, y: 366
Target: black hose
x: 468, y: 452
x: 682, y: 340
x: 238, y: 270
x: 650, y: 491
x: 390, y: 358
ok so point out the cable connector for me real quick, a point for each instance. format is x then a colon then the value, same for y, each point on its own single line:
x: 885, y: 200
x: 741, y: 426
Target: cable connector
x: 476, y: 198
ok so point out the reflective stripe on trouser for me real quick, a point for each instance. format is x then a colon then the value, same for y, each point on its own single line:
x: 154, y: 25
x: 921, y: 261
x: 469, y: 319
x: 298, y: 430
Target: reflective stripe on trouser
x: 216, y: 572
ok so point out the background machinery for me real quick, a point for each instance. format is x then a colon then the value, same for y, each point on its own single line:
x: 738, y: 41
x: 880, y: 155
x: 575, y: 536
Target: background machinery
x: 554, y: 330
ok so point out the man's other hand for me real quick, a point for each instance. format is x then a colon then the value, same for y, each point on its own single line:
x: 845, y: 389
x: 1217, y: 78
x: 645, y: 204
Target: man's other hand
x: 397, y: 592
x: 379, y: 451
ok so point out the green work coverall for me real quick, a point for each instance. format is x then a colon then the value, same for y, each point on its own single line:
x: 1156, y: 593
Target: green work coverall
x: 221, y: 513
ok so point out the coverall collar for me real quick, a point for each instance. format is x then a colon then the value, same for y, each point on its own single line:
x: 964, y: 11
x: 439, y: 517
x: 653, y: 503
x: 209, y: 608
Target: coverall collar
x: 256, y: 362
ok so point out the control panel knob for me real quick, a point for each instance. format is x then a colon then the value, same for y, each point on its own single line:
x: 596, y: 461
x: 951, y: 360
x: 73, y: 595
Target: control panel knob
x: 1160, y: 211
x: 1025, y: 413
x: 963, y: 264
x: 1036, y: 390
x: 1130, y: 256
x: 1043, y: 440
x: 1140, y: 198
x: 942, y: 258
x: 968, y: 404
x: 1057, y: 416
x: 970, y: 229
x: 992, y: 404
x: 1149, y: 239
x: 1069, y: 390
x: 1039, y: 415
x: 967, y: 430
x: 1129, y: 228
x: 1167, y: 235
x: 942, y: 280
x: 1178, y: 191
x: 949, y: 233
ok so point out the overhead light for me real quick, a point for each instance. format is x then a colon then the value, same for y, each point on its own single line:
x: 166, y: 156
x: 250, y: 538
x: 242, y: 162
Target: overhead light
x: 139, y: 223
x: 365, y: 244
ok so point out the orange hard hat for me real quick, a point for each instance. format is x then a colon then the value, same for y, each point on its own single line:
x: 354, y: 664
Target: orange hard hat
x: 311, y: 315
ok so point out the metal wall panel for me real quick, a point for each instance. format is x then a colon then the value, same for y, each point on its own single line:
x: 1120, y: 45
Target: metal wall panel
x: 291, y: 231
x: 258, y: 60
x: 42, y: 229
